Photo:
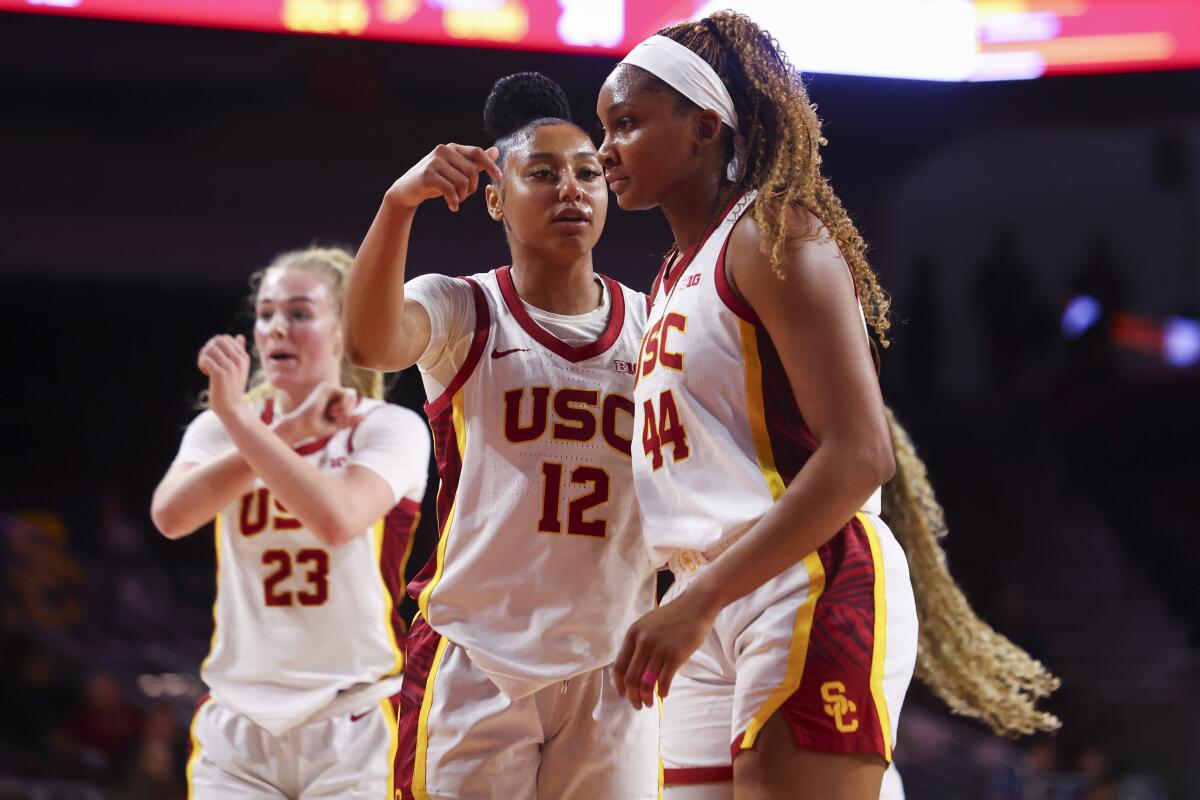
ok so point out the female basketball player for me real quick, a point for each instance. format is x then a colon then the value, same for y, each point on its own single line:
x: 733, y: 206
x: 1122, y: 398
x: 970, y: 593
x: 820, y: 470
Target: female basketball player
x: 541, y: 566
x: 790, y: 635
x: 299, y: 474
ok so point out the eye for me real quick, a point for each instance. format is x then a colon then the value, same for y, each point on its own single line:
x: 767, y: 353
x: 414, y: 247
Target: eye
x: 264, y: 314
x: 589, y: 174
x: 299, y: 314
x: 542, y: 172
x: 623, y: 123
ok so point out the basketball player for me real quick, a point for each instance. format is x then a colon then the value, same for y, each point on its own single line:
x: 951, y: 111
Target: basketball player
x: 540, y: 568
x: 307, y: 651
x: 788, y: 640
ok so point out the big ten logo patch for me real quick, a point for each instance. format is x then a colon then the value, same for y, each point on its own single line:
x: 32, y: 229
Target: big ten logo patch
x: 838, y: 706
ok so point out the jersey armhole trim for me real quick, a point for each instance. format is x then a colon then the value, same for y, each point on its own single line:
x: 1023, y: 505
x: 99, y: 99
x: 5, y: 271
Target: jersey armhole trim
x: 483, y: 326
x: 727, y: 293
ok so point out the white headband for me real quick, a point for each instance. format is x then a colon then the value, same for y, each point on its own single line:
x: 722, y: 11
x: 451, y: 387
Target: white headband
x: 686, y: 73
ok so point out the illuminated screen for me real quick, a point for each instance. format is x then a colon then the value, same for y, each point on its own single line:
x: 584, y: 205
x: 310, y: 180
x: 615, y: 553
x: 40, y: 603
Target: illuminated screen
x: 923, y: 39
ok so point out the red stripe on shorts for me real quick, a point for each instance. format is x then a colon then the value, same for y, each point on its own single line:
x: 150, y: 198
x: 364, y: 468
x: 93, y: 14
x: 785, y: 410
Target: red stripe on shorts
x: 833, y: 710
x: 422, y: 647
x: 686, y: 776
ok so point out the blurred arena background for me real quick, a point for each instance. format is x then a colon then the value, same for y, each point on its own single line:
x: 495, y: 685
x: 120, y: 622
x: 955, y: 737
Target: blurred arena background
x: 1026, y: 171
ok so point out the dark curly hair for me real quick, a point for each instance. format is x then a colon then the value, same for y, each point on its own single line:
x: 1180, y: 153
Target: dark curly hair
x: 519, y: 103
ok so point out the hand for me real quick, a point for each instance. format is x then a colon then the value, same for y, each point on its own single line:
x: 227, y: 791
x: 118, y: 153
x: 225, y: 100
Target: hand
x: 227, y: 364
x: 450, y: 171
x: 658, y: 644
x: 327, y: 408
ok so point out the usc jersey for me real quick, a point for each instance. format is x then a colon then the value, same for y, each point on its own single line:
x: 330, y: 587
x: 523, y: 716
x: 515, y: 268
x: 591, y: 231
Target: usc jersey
x: 719, y: 435
x: 541, y: 566
x: 296, y: 622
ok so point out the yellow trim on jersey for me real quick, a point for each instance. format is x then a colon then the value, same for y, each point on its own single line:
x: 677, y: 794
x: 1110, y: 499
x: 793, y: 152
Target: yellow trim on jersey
x: 662, y: 767
x: 195, y: 755
x: 418, y: 778
x: 458, y: 419
x: 378, y: 531
x: 212, y: 643
x: 389, y: 716
x: 756, y: 409
x: 797, y: 653
x: 879, y: 648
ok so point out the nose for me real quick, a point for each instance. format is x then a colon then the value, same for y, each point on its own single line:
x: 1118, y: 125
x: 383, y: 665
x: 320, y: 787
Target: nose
x: 279, y: 326
x: 570, y: 188
x: 608, y: 155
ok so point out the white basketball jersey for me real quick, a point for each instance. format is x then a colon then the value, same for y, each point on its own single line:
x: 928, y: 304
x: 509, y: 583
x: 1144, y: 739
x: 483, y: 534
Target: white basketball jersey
x: 718, y: 433
x: 541, y: 566
x: 298, y: 622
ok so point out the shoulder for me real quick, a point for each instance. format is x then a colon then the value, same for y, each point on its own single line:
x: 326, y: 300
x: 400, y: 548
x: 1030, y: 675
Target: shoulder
x: 205, y: 420
x: 810, y: 251
x: 436, y: 285
x: 381, y: 414
x: 206, y: 426
x: 204, y: 439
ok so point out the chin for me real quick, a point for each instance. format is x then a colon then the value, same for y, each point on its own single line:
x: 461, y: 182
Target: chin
x: 631, y: 202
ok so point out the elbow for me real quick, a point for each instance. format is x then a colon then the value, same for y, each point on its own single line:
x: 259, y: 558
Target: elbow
x: 334, y: 532
x: 357, y: 352
x: 875, y: 463
x: 885, y: 464
x: 167, y: 521
x: 364, y: 359
x: 362, y: 355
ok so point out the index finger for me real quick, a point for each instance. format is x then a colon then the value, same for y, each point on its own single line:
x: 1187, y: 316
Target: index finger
x: 622, y: 662
x: 482, y: 159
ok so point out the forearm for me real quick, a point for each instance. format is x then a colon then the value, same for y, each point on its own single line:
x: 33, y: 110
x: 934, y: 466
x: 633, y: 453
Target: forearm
x: 825, y: 495
x: 183, y: 503
x: 374, y: 304
x: 316, y: 499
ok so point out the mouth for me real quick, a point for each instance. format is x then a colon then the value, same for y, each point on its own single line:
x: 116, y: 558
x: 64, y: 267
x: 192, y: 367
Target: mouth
x: 572, y: 220
x: 617, y: 184
x: 281, y: 358
x: 572, y: 216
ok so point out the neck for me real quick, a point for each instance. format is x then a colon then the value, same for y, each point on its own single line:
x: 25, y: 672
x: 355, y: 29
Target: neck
x: 286, y: 401
x: 289, y: 399
x: 569, y: 289
x: 691, y: 209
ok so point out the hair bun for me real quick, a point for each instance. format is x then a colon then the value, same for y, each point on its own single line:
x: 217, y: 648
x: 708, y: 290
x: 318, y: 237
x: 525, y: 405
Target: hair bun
x: 520, y: 98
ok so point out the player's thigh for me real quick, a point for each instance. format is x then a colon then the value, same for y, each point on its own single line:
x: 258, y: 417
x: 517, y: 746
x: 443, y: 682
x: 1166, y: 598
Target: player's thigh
x: 233, y: 758
x: 834, y: 657
x: 350, y: 755
x: 893, y: 786
x: 697, y: 727
x: 601, y: 747
x: 461, y: 737
x: 776, y: 769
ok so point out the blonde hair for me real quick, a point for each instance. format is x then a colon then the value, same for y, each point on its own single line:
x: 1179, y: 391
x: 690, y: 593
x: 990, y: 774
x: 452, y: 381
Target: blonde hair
x: 332, y: 263
x: 976, y: 671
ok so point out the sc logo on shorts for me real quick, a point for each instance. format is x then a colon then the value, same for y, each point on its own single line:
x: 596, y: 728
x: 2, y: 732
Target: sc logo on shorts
x: 838, y: 706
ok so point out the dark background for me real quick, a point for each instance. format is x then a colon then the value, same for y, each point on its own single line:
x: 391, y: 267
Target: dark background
x: 147, y: 170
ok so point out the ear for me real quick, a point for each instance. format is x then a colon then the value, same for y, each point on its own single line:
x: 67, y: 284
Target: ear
x: 707, y: 127
x: 495, y: 203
